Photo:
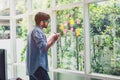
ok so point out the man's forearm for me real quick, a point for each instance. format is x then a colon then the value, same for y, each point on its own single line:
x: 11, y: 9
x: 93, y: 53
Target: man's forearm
x: 49, y: 43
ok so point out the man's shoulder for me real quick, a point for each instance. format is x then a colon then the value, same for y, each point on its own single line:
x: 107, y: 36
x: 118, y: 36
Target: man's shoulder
x: 37, y: 29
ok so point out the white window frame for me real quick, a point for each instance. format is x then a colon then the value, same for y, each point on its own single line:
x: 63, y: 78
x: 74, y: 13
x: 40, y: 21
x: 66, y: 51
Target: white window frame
x: 52, y: 10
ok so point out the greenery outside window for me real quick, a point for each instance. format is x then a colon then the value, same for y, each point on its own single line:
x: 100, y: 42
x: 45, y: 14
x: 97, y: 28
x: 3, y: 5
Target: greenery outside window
x: 38, y: 4
x: 21, y: 37
x: 4, y: 8
x: 63, y: 2
x: 70, y: 47
x: 105, y: 39
x: 21, y: 6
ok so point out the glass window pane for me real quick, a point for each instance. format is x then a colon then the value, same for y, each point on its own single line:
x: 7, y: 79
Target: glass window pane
x: 21, y: 72
x: 21, y: 36
x: 38, y: 4
x: 105, y: 39
x: 5, y: 38
x: 70, y: 47
x: 20, y: 6
x: 69, y: 76
x: 4, y: 29
x: 9, y: 70
x: 4, y: 8
x: 60, y: 2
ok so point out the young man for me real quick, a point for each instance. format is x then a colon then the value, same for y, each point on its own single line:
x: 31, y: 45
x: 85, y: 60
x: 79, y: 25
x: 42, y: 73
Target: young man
x: 37, y: 49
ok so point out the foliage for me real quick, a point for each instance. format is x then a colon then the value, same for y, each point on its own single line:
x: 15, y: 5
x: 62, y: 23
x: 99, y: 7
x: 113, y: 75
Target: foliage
x: 22, y: 34
x: 21, y: 6
x: 71, y: 45
x: 104, y: 31
x: 59, y: 2
x: 22, y: 29
x: 2, y: 30
x: 37, y: 4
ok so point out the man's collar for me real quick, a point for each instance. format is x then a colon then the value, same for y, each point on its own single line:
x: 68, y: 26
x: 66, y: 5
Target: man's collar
x: 39, y: 27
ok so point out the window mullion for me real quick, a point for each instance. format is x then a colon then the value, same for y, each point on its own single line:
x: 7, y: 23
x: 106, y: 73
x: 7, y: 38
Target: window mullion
x: 54, y: 47
x: 13, y: 34
x: 86, y: 40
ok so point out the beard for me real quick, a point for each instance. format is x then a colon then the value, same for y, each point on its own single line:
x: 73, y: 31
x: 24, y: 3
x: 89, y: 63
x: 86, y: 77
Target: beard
x: 45, y: 26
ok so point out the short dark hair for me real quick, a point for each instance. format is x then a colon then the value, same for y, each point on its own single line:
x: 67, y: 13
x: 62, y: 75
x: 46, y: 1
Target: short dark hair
x: 40, y: 16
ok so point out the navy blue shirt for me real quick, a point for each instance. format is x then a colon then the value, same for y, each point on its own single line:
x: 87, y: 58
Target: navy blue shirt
x: 36, y: 54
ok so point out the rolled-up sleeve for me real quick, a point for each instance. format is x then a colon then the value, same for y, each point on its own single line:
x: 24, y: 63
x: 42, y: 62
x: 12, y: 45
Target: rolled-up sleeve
x: 39, y: 39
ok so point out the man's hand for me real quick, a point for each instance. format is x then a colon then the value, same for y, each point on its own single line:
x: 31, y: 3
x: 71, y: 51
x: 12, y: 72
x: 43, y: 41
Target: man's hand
x: 56, y: 36
x: 52, y: 40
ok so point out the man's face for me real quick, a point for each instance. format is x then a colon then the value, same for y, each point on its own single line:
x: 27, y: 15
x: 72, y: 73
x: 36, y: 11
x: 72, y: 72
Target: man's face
x: 45, y: 23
